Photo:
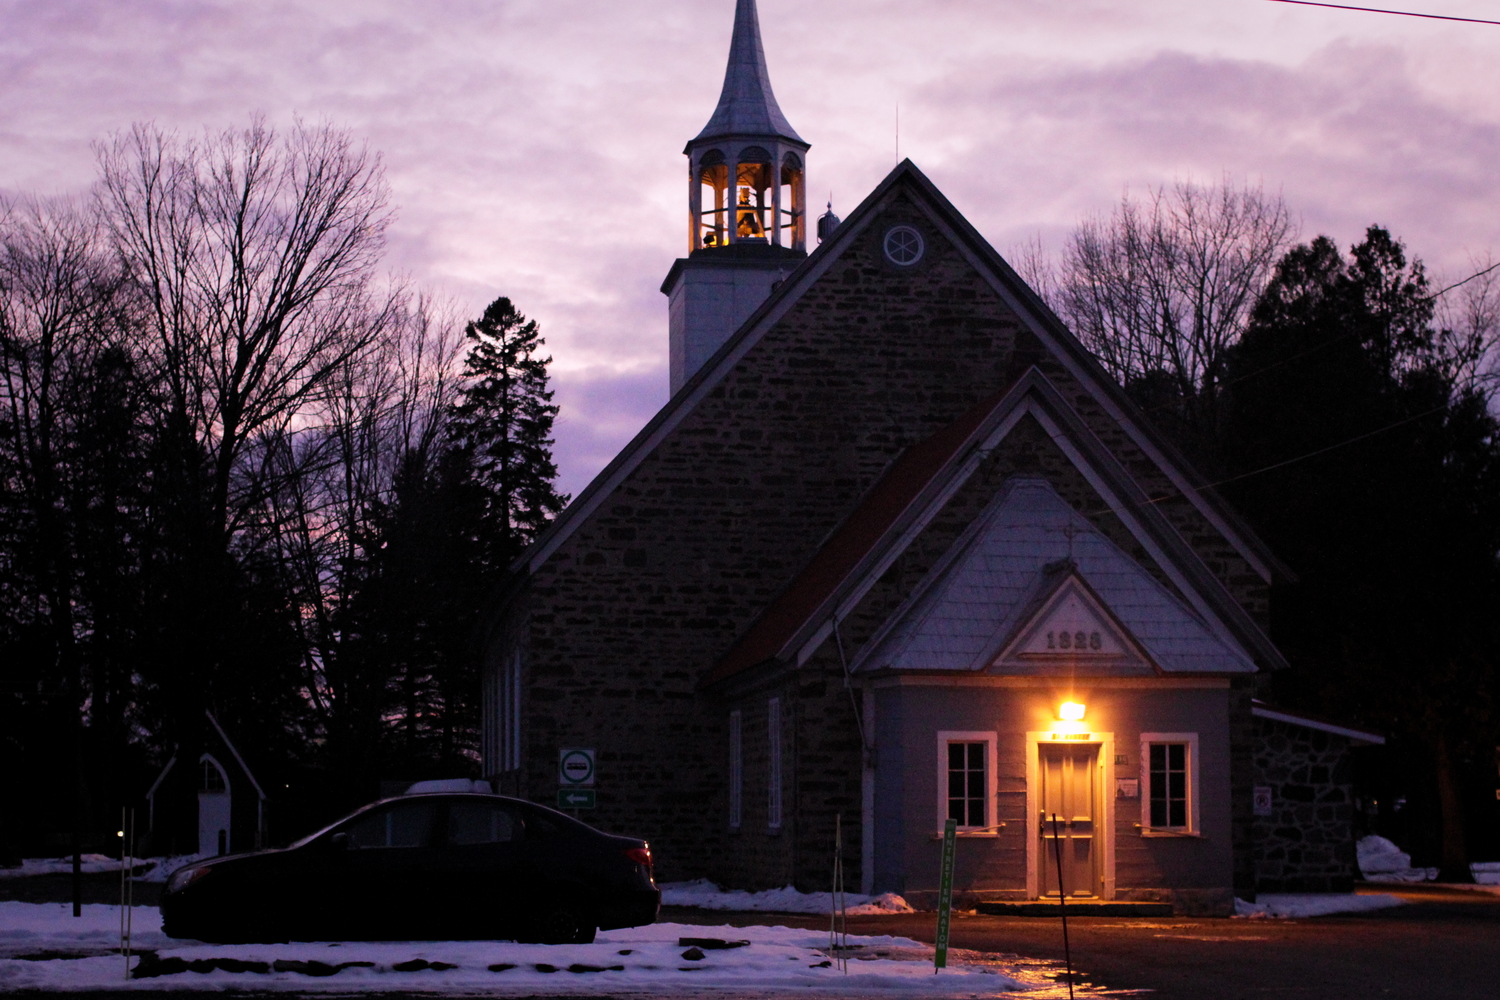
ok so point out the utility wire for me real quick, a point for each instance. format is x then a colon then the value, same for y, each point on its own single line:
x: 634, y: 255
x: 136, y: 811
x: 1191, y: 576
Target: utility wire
x: 1332, y: 340
x: 1382, y: 10
x: 1298, y: 458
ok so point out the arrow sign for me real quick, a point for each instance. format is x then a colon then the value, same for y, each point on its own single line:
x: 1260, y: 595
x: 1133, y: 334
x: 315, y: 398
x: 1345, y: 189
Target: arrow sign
x: 575, y: 798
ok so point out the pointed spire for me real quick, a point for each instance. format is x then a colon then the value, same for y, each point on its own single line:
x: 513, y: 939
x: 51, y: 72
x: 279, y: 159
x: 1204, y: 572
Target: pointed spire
x: 746, y: 105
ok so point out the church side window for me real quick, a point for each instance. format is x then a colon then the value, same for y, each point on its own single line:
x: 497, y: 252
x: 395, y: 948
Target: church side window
x: 502, y: 711
x: 510, y: 714
x: 966, y: 783
x: 736, y: 768
x: 773, y: 790
x: 966, y: 780
x: 1169, y: 772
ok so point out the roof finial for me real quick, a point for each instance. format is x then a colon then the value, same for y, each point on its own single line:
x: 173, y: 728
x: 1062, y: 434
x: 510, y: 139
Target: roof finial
x: 746, y: 105
x: 827, y: 222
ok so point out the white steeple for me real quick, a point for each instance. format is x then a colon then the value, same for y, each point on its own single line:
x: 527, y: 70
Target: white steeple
x: 747, y: 106
x: 747, y: 206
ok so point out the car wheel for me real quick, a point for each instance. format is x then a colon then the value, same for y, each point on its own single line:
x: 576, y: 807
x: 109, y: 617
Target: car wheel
x: 564, y: 922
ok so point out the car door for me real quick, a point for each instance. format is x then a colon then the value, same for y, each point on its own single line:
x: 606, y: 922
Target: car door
x: 484, y: 871
x: 387, y: 871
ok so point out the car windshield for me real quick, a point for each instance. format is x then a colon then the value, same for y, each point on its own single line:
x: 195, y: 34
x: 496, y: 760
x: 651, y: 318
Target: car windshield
x: 317, y: 833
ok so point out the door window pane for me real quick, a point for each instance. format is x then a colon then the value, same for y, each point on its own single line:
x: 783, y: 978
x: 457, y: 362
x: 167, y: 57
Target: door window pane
x: 480, y: 823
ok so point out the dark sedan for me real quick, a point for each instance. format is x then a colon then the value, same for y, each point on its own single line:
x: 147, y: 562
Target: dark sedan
x: 431, y: 866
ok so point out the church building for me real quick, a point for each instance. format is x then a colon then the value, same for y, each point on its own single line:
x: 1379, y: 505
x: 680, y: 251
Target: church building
x: 897, y: 550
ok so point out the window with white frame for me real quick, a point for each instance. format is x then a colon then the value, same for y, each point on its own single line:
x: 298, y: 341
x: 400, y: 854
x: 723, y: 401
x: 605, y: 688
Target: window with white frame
x: 1169, y: 783
x: 773, y: 788
x: 966, y: 780
x: 736, y: 768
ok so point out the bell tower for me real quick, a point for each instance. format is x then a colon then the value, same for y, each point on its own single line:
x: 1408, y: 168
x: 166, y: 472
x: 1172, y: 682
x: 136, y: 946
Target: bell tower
x: 747, y: 207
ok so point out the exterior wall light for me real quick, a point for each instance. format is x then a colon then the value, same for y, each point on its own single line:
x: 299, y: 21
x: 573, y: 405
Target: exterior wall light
x: 1070, y: 711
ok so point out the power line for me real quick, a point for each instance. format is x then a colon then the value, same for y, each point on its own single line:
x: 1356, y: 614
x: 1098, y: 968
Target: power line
x: 1298, y: 458
x: 1318, y: 347
x: 1382, y: 10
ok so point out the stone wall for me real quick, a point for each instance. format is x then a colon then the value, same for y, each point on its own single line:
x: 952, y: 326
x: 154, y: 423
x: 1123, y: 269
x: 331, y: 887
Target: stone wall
x: 1307, y: 843
x: 648, y: 592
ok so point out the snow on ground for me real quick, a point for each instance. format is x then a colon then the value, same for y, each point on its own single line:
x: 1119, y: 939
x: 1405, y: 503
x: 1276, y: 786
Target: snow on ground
x: 43, y: 947
x: 1486, y: 872
x: 166, y: 866
x: 88, y: 863
x: 1270, y: 904
x: 1382, y: 861
x: 705, y: 895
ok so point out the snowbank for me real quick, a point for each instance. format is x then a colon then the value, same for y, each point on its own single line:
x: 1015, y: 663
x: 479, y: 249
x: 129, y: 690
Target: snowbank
x: 1486, y: 872
x: 1382, y: 861
x: 1269, y: 904
x: 89, y: 864
x: 706, y: 896
x: 63, y: 953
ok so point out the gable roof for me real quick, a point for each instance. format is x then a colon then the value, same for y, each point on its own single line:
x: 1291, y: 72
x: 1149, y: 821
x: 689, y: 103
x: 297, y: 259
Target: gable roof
x: 798, y: 621
x: 909, y: 476
x: 1003, y: 577
x: 1038, y: 319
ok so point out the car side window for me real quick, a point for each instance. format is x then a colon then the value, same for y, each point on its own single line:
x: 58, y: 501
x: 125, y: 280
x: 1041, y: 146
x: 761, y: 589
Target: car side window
x: 481, y: 823
x: 538, y: 826
x: 406, y: 825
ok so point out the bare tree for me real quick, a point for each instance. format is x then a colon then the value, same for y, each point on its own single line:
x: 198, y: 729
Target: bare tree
x: 1160, y: 289
x: 256, y: 254
x: 380, y: 415
x: 60, y: 310
x: 58, y: 297
x: 1468, y: 314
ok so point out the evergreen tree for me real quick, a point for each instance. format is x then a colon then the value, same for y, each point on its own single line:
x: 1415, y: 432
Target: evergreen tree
x: 1375, y: 474
x: 503, y: 426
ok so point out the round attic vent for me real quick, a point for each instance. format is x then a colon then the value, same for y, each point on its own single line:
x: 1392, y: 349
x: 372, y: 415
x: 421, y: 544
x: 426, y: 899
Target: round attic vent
x: 903, y: 245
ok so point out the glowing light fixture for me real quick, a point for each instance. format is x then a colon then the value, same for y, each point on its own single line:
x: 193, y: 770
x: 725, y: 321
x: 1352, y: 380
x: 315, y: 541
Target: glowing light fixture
x: 1070, y: 711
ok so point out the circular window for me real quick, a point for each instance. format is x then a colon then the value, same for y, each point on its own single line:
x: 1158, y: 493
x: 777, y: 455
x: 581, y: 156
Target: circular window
x: 903, y: 245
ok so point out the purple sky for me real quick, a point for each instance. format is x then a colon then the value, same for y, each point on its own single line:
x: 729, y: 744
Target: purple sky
x: 534, y: 146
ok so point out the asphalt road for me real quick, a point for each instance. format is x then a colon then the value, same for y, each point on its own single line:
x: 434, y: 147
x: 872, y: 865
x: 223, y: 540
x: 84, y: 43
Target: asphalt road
x: 1443, y: 944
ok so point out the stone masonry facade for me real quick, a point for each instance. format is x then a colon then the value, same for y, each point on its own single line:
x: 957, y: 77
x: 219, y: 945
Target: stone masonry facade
x: 1307, y: 843
x: 618, y: 625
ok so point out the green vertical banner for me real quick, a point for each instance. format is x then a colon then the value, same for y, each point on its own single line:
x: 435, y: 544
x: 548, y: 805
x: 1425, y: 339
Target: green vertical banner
x: 945, y: 896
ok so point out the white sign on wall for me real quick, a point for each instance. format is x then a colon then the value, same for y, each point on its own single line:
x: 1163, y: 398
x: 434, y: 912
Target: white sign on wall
x: 575, y: 767
x: 1262, y: 800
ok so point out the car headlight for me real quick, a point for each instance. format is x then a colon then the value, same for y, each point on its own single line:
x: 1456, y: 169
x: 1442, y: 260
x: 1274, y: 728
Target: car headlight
x: 184, y: 877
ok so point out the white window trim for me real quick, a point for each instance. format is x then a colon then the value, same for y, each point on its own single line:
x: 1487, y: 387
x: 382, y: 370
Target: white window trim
x: 991, y: 781
x: 736, y: 768
x: 773, y: 783
x: 1194, y: 827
